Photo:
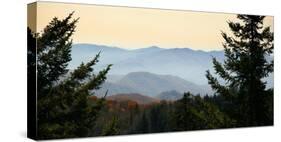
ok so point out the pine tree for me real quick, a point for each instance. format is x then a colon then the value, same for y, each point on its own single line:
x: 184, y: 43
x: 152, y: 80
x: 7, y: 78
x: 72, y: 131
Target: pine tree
x: 193, y: 113
x: 142, y: 125
x: 181, y: 115
x: 53, y: 51
x: 111, y: 128
x: 31, y: 51
x: 63, y: 107
x: 158, y: 117
x: 31, y: 83
x: 247, y: 63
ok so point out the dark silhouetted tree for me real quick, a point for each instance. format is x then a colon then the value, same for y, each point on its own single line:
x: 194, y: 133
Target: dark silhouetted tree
x: 143, y: 124
x: 193, y: 113
x: 31, y: 51
x: 111, y: 128
x: 248, y: 51
x: 159, y: 117
x: 63, y: 107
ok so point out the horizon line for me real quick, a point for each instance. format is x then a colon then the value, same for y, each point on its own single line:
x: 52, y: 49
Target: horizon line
x: 150, y: 46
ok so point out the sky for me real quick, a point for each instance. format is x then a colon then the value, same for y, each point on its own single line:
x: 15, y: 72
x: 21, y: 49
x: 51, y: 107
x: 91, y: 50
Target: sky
x: 133, y: 28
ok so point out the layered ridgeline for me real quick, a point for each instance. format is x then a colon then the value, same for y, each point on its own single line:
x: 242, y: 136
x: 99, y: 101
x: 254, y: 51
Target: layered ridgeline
x: 153, y: 71
x: 186, y: 63
x: 138, y: 98
x: 150, y: 84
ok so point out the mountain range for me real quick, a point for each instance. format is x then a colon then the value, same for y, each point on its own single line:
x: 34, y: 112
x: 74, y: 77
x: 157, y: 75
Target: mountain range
x: 150, y: 84
x: 170, y: 95
x: 163, y: 73
x: 186, y: 63
x: 138, y: 98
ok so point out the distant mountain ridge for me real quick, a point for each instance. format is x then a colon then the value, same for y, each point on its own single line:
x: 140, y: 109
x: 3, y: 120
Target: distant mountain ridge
x: 150, y: 84
x: 189, y: 64
x: 170, y: 95
x: 140, y: 99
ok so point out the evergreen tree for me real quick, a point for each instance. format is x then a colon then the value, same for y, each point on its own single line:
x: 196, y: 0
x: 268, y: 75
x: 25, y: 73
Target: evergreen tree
x: 193, y: 113
x: 159, y: 117
x: 31, y: 83
x: 143, y: 124
x: 181, y: 115
x: 31, y: 52
x: 63, y: 107
x: 111, y: 128
x: 53, y: 51
x: 247, y: 62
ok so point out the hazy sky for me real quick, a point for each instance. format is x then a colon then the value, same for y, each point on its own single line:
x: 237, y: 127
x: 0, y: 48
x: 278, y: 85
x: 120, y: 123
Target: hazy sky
x: 137, y: 27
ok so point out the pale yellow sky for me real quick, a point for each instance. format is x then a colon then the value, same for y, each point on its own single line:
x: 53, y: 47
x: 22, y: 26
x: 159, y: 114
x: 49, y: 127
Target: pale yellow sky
x: 141, y: 27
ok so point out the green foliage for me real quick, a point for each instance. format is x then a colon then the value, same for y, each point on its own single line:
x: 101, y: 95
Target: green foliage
x: 245, y: 66
x: 53, y: 51
x: 143, y: 124
x: 64, y: 109
x: 193, y: 113
x: 111, y: 128
x: 159, y: 117
x: 189, y: 113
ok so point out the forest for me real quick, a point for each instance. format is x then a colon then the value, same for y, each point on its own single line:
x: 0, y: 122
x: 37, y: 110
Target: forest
x: 68, y: 106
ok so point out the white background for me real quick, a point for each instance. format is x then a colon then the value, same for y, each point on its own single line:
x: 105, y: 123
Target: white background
x: 13, y: 110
